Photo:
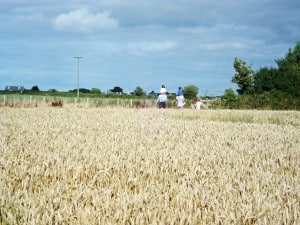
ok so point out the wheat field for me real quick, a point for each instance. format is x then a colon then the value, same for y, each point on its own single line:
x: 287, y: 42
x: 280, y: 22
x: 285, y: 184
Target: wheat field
x: 77, y: 165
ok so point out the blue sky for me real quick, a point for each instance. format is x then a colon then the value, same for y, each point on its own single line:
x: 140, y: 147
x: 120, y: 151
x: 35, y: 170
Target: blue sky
x: 130, y: 43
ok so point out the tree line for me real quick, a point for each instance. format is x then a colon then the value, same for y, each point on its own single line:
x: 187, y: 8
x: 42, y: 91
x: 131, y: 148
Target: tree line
x: 268, y: 88
x: 191, y: 92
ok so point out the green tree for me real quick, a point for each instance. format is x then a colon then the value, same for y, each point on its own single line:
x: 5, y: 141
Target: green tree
x: 35, y: 88
x: 95, y: 91
x: 243, y: 77
x: 265, y: 80
x: 84, y: 90
x: 52, y: 90
x: 229, y: 98
x: 190, y: 91
x: 289, y: 72
x: 285, y: 78
x: 138, y: 91
x: 116, y: 89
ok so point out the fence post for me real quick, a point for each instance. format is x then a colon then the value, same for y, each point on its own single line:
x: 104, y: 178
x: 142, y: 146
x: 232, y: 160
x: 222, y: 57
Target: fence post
x: 30, y: 98
x: 44, y: 99
x: 4, y: 99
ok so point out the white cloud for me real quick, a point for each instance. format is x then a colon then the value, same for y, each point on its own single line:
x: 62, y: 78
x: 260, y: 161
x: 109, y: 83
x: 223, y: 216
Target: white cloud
x: 83, y: 21
x: 144, y: 48
x: 221, y: 46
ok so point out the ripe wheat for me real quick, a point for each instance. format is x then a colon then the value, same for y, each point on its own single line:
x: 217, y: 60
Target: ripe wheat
x: 148, y: 166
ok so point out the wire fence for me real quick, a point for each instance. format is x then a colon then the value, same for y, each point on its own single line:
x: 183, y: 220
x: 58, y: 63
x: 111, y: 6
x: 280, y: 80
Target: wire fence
x: 39, y: 100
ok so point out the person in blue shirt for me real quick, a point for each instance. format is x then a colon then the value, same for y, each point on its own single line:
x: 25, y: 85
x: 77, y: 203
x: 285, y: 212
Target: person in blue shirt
x: 179, y: 91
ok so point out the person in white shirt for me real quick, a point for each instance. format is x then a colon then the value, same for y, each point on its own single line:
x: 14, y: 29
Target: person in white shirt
x: 162, y: 101
x: 180, y: 101
x: 199, y: 104
x: 163, y: 90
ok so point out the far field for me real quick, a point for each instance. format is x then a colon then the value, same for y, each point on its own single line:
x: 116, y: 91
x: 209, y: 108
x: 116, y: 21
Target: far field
x: 81, y: 165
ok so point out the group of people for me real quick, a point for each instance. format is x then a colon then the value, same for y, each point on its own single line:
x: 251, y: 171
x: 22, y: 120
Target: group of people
x: 180, y: 100
x: 162, y: 98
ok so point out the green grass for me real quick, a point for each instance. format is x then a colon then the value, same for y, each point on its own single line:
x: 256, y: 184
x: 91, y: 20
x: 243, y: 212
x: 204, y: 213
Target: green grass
x: 232, y: 119
x: 276, y: 121
x: 237, y: 119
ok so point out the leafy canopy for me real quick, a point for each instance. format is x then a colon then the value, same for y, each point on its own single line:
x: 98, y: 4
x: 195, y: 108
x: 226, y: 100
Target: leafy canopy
x: 117, y: 89
x: 285, y: 78
x: 138, y: 91
x: 243, y: 77
x: 190, y: 91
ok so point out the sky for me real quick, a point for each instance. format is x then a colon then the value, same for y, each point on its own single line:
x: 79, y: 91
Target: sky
x: 130, y: 43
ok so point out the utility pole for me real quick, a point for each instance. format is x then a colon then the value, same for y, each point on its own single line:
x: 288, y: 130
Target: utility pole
x: 78, y: 58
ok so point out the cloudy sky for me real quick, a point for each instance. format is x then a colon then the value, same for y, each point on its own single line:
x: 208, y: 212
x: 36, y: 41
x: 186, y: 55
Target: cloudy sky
x: 130, y: 43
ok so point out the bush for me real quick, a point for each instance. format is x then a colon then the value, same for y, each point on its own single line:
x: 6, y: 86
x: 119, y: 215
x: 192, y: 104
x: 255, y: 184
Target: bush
x: 273, y: 100
x: 229, y: 99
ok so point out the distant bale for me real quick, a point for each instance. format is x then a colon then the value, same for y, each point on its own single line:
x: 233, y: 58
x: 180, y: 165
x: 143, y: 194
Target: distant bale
x: 57, y: 103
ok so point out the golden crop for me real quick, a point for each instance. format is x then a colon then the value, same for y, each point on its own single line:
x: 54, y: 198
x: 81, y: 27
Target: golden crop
x: 148, y: 166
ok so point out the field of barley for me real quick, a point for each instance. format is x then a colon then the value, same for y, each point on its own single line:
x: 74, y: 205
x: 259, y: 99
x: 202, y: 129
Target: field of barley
x: 79, y: 165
